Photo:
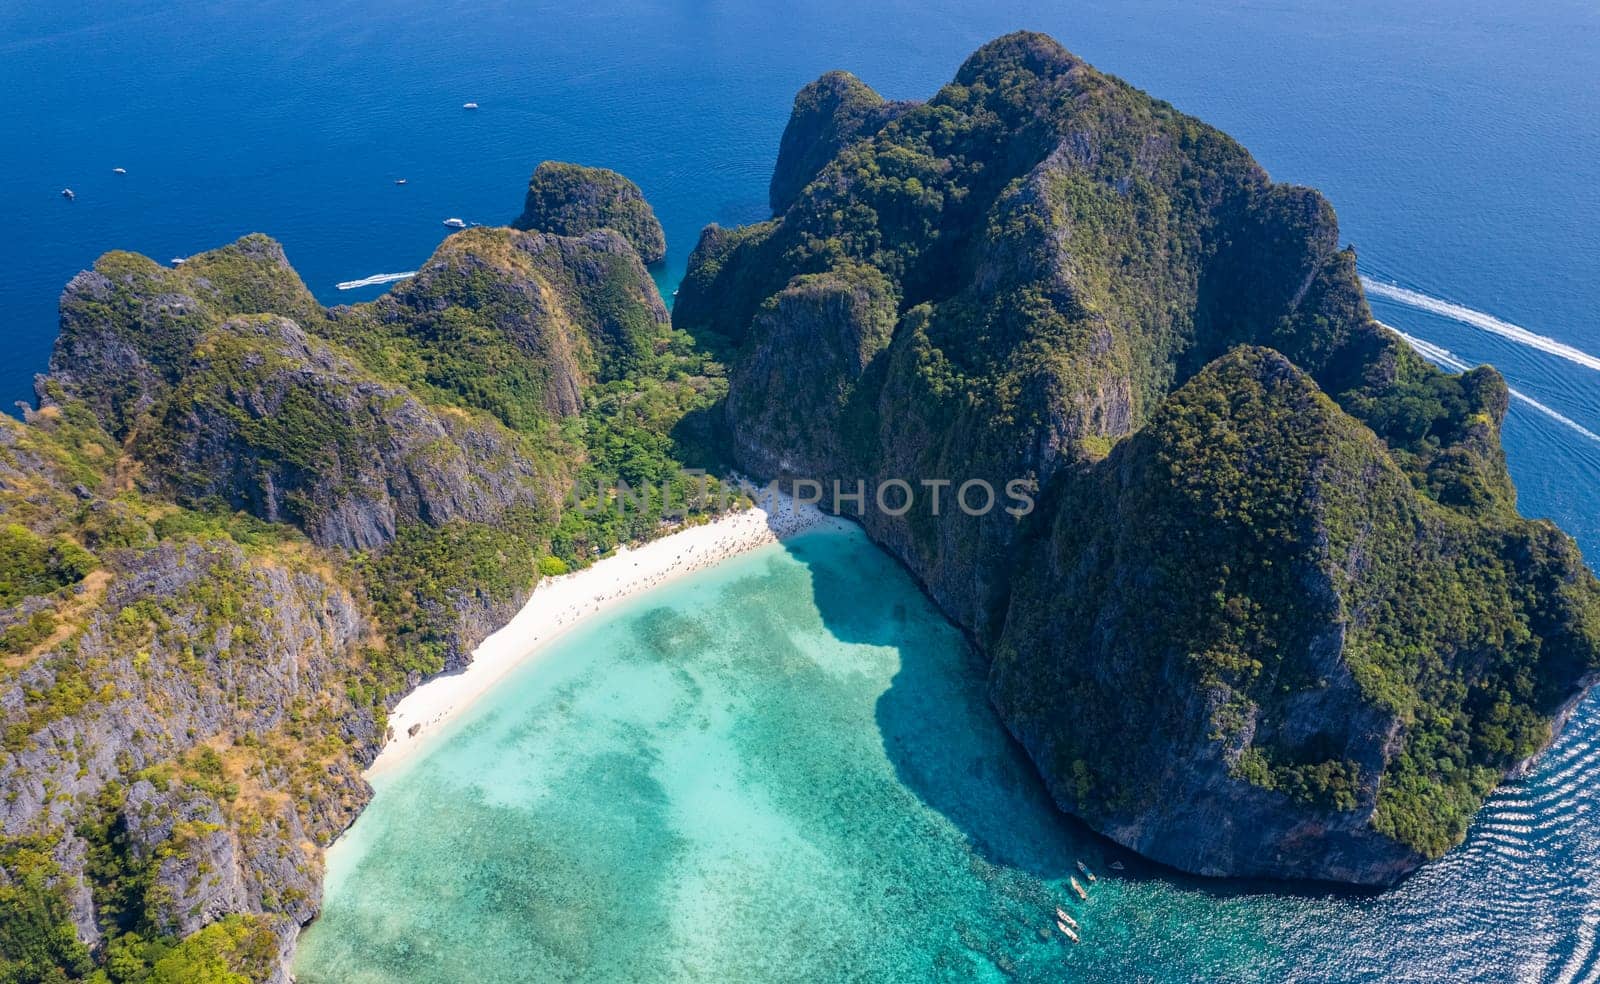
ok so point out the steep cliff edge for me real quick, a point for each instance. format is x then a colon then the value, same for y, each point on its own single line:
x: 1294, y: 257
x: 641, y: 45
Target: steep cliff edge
x: 282, y: 425
x: 1342, y: 666
x: 238, y: 526
x: 829, y: 114
x: 1275, y: 613
x: 570, y: 200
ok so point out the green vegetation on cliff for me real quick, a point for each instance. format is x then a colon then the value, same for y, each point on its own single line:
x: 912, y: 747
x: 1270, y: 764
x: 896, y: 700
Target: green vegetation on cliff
x: 570, y: 200
x: 37, y: 940
x: 421, y: 581
x: 829, y: 114
x: 1288, y: 581
x: 31, y: 565
x: 239, y: 527
x: 1276, y: 582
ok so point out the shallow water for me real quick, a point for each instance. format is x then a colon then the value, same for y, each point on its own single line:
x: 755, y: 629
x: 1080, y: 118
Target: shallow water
x: 785, y: 768
x: 1460, y: 143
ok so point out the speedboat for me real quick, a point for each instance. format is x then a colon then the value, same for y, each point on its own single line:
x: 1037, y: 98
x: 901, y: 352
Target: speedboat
x: 68, y: 194
x: 1062, y: 917
x: 119, y: 170
x: 1068, y: 931
x: 178, y: 261
x: 1086, y: 872
x: 455, y: 223
x: 469, y: 105
x: 399, y: 181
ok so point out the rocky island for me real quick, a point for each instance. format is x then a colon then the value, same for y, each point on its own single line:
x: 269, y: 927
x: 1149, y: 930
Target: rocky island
x: 570, y: 199
x: 1275, y: 614
x: 240, y: 526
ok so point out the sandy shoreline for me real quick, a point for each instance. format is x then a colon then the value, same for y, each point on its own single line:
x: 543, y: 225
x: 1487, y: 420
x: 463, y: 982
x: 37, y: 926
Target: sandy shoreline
x: 559, y: 603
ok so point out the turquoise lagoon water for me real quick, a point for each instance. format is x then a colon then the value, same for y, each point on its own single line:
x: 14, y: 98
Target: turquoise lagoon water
x: 1460, y: 143
x: 785, y: 769
x: 782, y: 769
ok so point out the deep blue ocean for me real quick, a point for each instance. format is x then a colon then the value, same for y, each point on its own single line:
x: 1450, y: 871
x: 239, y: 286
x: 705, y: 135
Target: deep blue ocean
x: 1459, y: 142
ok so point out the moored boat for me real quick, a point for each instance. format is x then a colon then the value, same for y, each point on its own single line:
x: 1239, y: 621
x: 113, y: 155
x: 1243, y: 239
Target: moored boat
x: 1061, y: 916
x: 1086, y: 872
x: 455, y: 223
x: 1082, y: 895
x: 1070, y: 933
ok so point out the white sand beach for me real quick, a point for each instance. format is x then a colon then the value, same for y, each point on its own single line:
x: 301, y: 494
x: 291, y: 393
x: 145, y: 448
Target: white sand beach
x: 559, y: 603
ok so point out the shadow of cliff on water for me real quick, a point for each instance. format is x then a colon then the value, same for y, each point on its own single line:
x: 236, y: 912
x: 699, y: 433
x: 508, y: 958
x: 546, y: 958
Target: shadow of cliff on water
x: 949, y: 747
x: 945, y: 742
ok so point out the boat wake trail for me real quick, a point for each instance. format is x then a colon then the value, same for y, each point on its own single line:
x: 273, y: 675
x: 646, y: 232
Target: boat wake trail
x: 1478, y: 319
x: 375, y: 280
x: 1449, y: 360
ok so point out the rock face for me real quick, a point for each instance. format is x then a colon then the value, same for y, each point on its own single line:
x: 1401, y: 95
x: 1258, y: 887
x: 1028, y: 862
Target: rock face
x: 829, y: 114
x: 570, y: 200
x: 190, y: 642
x: 128, y: 324
x: 1260, y: 601
x: 1253, y: 625
x: 272, y: 421
x: 239, y: 526
x: 841, y: 322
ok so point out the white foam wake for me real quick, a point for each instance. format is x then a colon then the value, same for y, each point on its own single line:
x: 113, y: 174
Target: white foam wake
x: 1449, y: 360
x: 1478, y: 319
x: 375, y: 280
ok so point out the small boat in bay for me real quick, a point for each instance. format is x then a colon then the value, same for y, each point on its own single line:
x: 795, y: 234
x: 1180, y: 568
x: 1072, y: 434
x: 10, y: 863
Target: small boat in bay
x: 1068, y: 931
x: 1116, y: 866
x: 1062, y: 917
x: 68, y: 194
x: 399, y: 181
x: 469, y: 105
x: 178, y: 261
x: 119, y: 170
x: 1082, y: 895
x: 1084, y: 869
x: 455, y: 223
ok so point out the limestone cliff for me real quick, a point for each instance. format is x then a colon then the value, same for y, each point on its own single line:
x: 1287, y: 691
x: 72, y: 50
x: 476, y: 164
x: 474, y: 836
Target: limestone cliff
x: 238, y: 526
x: 1275, y: 613
x: 829, y: 114
x: 275, y: 422
x: 570, y: 199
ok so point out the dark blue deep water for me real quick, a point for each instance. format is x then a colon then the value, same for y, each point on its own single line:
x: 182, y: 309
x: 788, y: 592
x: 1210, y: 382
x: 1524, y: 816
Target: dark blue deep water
x: 1460, y: 143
